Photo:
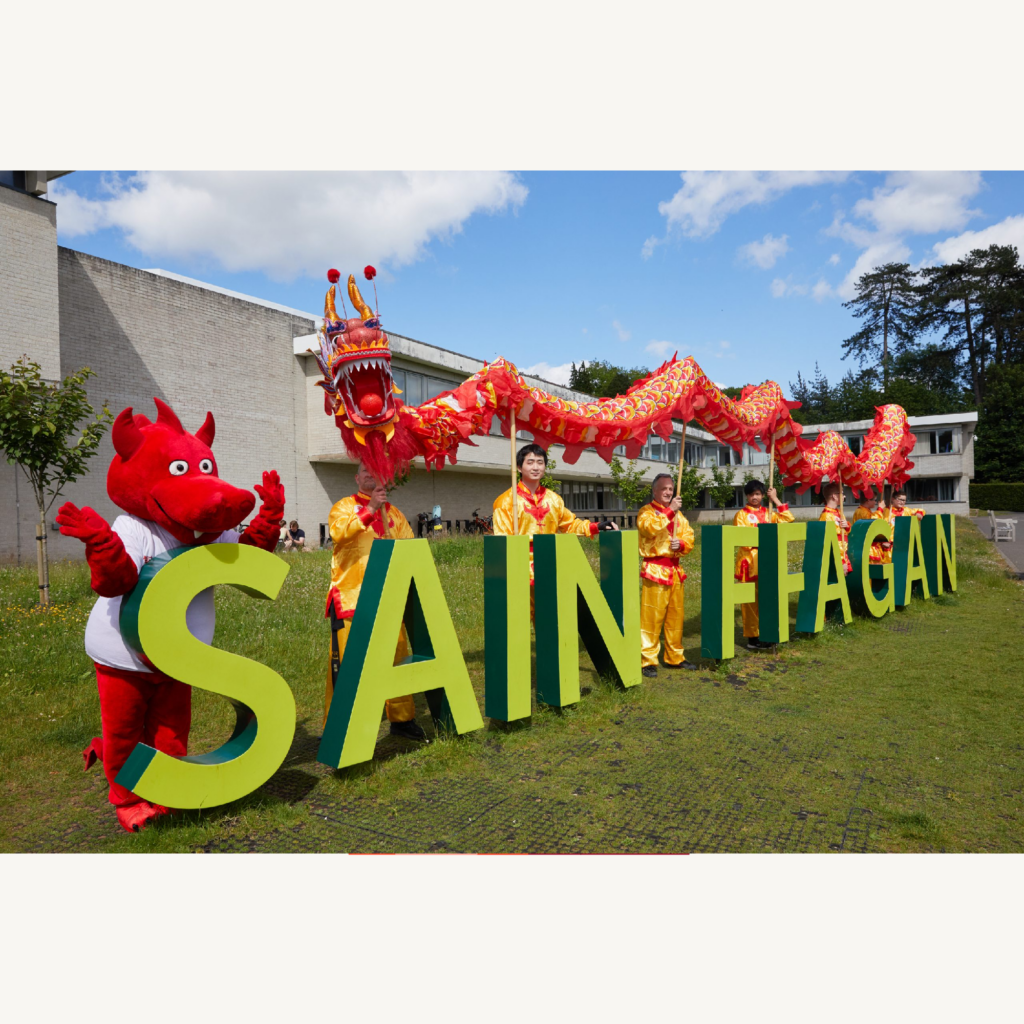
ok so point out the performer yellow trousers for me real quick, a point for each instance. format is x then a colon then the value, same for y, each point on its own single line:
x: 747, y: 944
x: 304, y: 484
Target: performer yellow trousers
x: 661, y: 605
x: 751, y: 620
x: 399, y: 709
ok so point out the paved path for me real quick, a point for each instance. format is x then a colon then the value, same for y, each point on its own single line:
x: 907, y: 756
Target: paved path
x: 1013, y: 551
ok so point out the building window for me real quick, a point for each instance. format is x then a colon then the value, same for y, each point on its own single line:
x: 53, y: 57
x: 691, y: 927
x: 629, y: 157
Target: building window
x: 417, y: 388
x: 589, y: 497
x: 854, y: 442
x: 941, y: 442
x: 925, y: 489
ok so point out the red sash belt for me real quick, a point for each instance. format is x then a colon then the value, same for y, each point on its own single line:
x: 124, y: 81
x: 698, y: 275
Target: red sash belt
x: 669, y: 561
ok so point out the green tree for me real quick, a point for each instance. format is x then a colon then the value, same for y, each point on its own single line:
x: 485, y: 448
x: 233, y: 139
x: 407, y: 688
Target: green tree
x: 37, y: 422
x: 548, y: 481
x: 887, y: 303
x: 723, y: 487
x: 628, y: 483
x: 603, y: 379
x: 999, y: 443
x: 690, y: 484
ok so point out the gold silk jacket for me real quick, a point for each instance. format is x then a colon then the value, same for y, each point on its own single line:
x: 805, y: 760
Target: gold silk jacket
x: 543, y: 512
x: 842, y: 528
x: 879, y: 547
x: 353, y: 529
x: 657, y: 526
x: 746, y: 558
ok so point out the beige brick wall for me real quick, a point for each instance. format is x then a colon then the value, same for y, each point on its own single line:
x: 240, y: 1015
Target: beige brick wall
x: 28, y: 281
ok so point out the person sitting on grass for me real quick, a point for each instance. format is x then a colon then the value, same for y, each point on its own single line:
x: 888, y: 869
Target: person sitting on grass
x: 284, y: 533
x: 665, y: 535
x: 295, y: 539
x: 755, y: 514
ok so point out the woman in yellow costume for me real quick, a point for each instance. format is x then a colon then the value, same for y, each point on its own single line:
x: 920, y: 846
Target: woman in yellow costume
x: 897, y: 507
x: 665, y: 535
x: 868, y: 510
x: 754, y: 514
x: 355, y: 522
x: 540, y: 510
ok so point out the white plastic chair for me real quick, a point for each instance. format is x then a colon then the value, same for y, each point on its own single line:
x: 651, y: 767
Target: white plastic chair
x: 1002, y: 529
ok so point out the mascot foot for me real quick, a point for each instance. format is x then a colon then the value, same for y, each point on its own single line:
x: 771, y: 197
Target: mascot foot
x: 136, y: 817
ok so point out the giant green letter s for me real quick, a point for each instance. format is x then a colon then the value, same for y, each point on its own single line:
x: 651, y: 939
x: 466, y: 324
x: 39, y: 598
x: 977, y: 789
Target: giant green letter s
x: 154, y: 617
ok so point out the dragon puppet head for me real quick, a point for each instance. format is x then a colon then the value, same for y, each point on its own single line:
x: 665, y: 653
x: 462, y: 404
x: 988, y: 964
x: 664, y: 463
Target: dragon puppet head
x: 359, y: 390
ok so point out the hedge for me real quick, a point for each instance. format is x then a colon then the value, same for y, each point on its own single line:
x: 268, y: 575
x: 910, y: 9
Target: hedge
x: 998, y: 497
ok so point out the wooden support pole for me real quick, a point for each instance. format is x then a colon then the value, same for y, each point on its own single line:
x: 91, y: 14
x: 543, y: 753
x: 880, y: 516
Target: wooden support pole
x: 682, y: 456
x: 515, y: 482
x: 771, y: 461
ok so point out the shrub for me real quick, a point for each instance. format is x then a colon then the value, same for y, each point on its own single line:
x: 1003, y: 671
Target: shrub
x: 1001, y: 497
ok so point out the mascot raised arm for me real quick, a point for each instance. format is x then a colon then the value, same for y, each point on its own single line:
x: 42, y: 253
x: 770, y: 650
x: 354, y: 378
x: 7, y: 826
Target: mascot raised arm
x: 165, y: 481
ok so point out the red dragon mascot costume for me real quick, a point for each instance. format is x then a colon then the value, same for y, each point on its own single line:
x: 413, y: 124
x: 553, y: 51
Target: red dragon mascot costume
x: 165, y: 480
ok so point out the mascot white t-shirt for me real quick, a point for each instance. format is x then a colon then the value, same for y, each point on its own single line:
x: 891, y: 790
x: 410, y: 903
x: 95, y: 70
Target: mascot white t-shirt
x: 143, y: 540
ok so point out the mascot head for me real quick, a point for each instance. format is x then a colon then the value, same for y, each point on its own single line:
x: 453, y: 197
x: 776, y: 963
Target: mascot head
x: 164, y: 474
x: 359, y: 390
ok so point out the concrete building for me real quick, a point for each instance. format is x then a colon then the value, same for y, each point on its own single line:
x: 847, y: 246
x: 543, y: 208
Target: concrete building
x: 149, y: 333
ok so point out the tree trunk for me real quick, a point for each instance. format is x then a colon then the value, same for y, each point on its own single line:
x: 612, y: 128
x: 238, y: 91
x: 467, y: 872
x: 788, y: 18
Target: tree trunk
x: 41, y: 563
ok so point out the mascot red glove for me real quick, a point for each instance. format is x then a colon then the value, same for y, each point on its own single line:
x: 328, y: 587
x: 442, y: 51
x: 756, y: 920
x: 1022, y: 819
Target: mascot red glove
x: 166, y: 480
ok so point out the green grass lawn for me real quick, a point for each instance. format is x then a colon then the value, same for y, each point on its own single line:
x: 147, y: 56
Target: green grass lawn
x: 902, y: 734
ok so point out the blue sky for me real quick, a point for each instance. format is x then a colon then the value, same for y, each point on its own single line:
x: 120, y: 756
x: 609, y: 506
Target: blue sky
x: 746, y: 271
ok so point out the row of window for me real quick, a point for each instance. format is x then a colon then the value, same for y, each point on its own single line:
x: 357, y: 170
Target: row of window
x: 594, y: 497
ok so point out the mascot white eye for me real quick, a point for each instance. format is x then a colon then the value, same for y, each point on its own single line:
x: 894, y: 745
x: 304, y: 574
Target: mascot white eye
x: 179, y: 467
x: 206, y: 466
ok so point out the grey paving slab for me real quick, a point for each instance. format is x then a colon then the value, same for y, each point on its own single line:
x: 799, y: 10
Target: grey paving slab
x: 1013, y: 551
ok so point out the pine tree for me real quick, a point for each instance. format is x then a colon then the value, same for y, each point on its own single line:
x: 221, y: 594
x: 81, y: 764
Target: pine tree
x: 886, y: 301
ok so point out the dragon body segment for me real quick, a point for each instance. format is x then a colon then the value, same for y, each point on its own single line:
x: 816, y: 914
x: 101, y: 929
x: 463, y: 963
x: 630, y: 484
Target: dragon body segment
x: 393, y: 434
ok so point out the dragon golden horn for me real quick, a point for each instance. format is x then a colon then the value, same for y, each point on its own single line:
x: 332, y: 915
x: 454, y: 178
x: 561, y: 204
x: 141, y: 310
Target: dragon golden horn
x: 357, y: 299
x: 330, y: 313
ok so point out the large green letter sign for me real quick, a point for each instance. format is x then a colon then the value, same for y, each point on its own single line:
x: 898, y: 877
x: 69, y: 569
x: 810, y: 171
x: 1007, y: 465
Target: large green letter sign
x: 507, y: 628
x: 153, y: 620
x: 938, y: 535
x: 877, y: 603
x: 720, y: 590
x: 401, y: 584
x: 569, y: 604
x: 824, y: 578
x: 775, y: 581
x: 909, y: 573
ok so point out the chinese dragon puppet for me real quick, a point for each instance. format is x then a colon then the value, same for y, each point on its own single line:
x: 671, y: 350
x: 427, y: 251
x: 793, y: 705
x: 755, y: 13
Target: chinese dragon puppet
x: 379, y: 430
x: 165, y: 481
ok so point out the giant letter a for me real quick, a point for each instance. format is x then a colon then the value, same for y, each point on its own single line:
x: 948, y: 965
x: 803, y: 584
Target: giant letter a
x: 400, y: 584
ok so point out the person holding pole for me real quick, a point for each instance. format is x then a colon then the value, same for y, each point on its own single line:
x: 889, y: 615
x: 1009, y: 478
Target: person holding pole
x: 833, y: 510
x: 532, y: 508
x: 897, y: 507
x: 868, y: 510
x: 665, y: 536
x: 354, y: 523
x: 755, y: 514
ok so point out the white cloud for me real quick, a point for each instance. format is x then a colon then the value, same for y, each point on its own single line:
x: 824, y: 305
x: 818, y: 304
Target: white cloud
x: 287, y: 224
x: 555, y: 374
x: 659, y: 348
x: 833, y: 260
x: 822, y: 290
x: 708, y: 197
x: 624, y: 335
x: 783, y: 287
x: 1006, y: 232
x: 921, y: 202
x: 766, y: 253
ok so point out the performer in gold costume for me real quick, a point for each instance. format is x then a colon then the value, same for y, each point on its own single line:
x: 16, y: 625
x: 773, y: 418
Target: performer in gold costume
x: 754, y: 514
x: 355, y: 522
x: 898, y: 507
x: 540, y: 510
x: 831, y: 512
x: 868, y: 510
x: 665, y: 535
